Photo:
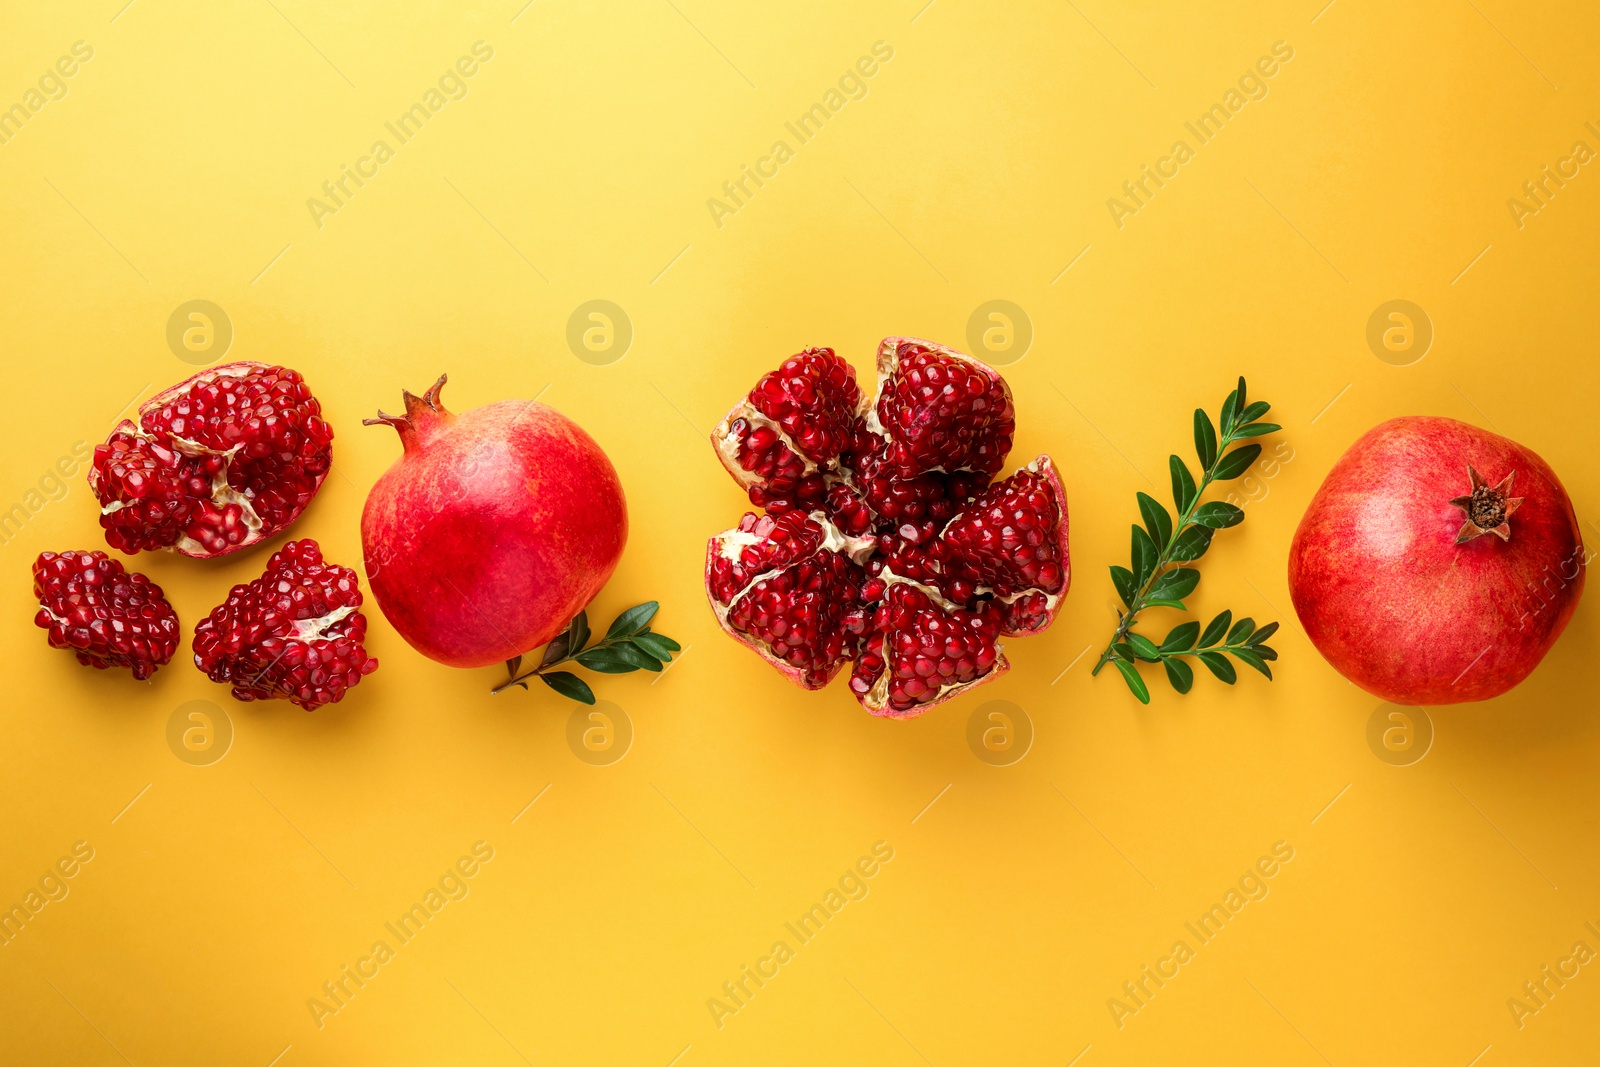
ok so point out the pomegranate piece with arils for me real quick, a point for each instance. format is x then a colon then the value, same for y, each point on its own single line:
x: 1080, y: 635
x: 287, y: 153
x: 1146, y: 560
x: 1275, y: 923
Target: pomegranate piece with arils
x: 922, y: 651
x: 109, y: 616
x: 214, y: 464
x: 294, y: 633
x: 798, y: 418
x: 1013, y: 540
x: 884, y: 541
x: 941, y: 410
x: 788, y: 586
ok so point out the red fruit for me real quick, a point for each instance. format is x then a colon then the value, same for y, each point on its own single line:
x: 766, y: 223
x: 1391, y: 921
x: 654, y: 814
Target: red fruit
x: 108, y: 616
x: 1438, y: 562
x: 1012, y: 541
x: 214, y: 464
x: 795, y: 421
x: 947, y: 563
x: 941, y: 410
x: 294, y: 633
x: 922, y: 652
x: 492, y: 530
x: 788, y: 586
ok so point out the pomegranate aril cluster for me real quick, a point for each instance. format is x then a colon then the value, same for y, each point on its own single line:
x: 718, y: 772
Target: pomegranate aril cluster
x: 216, y: 463
x: 108, y: 616
x: 294, y: 633
x: 884, y: 542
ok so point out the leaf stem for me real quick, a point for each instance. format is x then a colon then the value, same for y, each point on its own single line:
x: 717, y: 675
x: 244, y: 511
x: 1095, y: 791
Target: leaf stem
x: 1164, y: 559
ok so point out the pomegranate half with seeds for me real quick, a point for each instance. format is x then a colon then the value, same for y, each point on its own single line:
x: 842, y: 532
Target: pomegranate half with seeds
x: 884, y: 542
x: 216, y: 463
x: 1438, y: 562
x: 296, y: 633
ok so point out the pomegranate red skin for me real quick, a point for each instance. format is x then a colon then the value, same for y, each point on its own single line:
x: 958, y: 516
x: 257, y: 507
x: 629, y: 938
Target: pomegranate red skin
x: 1395, y: 604
x: 492, y: 530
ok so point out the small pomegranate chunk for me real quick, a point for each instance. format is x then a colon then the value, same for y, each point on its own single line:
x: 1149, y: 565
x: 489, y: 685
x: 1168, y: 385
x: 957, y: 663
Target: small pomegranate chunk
x: 942, y: 410
x: 921, y: 652
x: 214, y: 464
x: 792, y: 425
x: 1012, y: 540
x: 788, y: 587
x: 883, y: 540
x: 295, y: 633
x: 108, y: 616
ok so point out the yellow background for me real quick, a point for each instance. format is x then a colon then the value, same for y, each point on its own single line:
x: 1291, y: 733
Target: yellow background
x: 977, y: 167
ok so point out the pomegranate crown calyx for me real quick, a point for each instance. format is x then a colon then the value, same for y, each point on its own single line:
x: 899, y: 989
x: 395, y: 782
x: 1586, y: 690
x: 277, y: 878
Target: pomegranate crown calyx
x: 1487, y: 507
x: 423, y: 413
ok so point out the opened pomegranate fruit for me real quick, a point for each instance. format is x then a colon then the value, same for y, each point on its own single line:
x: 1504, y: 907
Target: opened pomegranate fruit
x: 108, y: 616
x: 296, y: 633
x: 214, y: 464
x: 1438, y: 562
x: 884, y: 542
x: 492, y: 530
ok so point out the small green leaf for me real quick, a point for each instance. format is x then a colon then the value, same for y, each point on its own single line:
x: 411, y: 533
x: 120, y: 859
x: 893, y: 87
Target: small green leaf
x: 1238, y: 404
x: 1236, y: 462
x: 671, y: 645
x: 633, y: 620
x: 1248, y: 655
x: 568, y: 685
x: 1264, y: 651
x: 1251, y: 414
x: 511, y: 666
x: 1262, y: 634
x: 1179, y: 673
x: 1191, y: 544
x: 1156, y: 519
x: 577, y: 633
x: 1144, y: 557
x: 1130, y: 674
x: 1183, y: 490
x: 1181, y: 638
x: 1241, y: 630
x: 1215, y: 629
x: 557, y: 648
x: 1257, y: 430
x: 1124, y: 652
x: 1205, y: 439
x: 1218, y: 515
x: 631, y: 653
x: 1175, y: 584
x: 1144, y: 648
x: 1229, y: 406
x: 1219, y: 666
x: 1122, y: 578
x: 660, y: 647
x: 606, y: 661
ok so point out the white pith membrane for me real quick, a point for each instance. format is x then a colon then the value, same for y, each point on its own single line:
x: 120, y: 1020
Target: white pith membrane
x: 309, y: 630
x: 726, y: 441
x: 222, y: 493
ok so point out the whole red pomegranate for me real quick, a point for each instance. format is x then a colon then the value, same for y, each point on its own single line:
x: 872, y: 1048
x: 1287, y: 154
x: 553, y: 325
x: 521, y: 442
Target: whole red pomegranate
x: 214, y: 464
x: 492, y: 530
x: 883, y: 542
x: 1438, y: 562
x: 296, y: 633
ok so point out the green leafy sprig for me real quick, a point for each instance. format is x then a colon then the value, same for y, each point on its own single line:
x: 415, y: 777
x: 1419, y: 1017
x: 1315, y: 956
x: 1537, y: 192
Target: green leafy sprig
x: 629, y: 645
x: 1158, y: 575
